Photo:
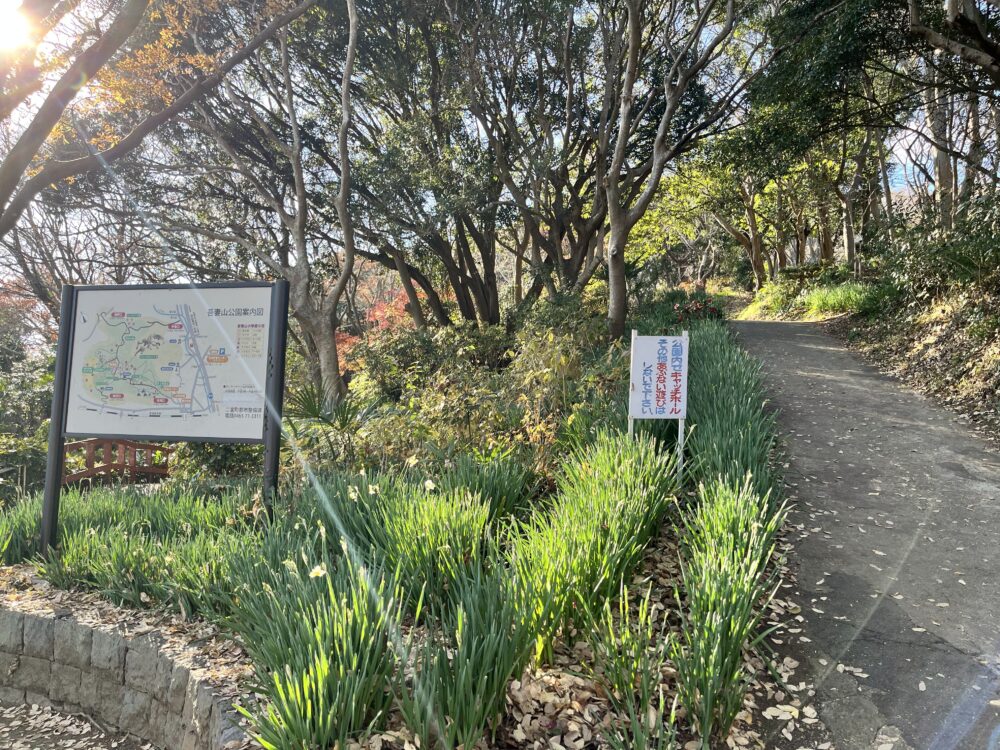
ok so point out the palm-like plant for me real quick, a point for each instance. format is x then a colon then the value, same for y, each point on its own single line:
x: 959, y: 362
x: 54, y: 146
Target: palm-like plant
x: 320, y: 423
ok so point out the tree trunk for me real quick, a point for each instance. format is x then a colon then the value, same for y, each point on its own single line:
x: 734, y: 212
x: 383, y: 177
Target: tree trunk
x: 936, y: 99
x: 519, y: 272
x: 757, y: 261
x: 780, y: 229
x: 801, y: 239
x: 756, y: 239
x: 886, y: 190
x: 411, y: 294
x: 976, y: 154
x: 617, y: 287
x: 850, y: 246
x: 825, y: 235
x: 329, y: 362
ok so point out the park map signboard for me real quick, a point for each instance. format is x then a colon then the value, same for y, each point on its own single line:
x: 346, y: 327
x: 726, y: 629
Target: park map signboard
x: 195, y: 363
x: 169, y: 363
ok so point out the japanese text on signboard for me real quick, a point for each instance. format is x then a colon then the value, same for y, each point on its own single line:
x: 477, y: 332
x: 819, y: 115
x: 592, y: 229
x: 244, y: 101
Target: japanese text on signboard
x: 659, y: 377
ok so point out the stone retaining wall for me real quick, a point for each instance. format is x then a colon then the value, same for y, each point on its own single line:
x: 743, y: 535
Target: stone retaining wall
x: 128, y: 683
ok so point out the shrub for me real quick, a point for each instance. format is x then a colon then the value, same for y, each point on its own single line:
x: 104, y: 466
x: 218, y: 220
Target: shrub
x: 195, y: 461
x: 459, y: 682
x: 925, y: 261
x: 399, y: 360
x: 322, y: 634
x: 22, y: 465
x: 731, y: 430
x: 728, y: 540
x: 499, y: 478
x: 25, y: 388
x: 630, y: 657
x: 777, y: 297
x: 611, y: 497
x: 697, y: 307
x: 849, y: 297
x: 395, y: 359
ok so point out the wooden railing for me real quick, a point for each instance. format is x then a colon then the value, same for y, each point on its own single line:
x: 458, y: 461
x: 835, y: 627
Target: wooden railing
x: 106, y: 459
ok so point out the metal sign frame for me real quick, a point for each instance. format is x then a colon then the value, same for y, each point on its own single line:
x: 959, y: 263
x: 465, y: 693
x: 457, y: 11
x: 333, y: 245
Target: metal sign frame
x: 274, y: 388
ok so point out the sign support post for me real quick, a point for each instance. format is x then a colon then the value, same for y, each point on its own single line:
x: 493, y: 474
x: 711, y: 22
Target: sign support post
x: 631, y: 419
x: 56, y: 457
x: 274, y: 392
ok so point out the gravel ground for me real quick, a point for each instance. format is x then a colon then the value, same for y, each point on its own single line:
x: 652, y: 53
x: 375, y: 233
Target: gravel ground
x: 35, y: 728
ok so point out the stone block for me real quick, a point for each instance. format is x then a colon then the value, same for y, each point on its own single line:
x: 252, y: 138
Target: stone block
x: 192, y: 741
x: 225, y: 727
x: 154, y: 722
x: 72, y: 643
x: 161, y: 681
x: 65, y: 683
x: 171, y: 729
x: 179, y: 679
x: 8, y: 665
x: 11, y: 631
x: 11, y: 696
x: 198, y: 703
x: 141, y: 663
x: 107, y: 653
x: 39, y: 633
x: 33, y: 674
x: 136, y: 712
x: 103, y: 698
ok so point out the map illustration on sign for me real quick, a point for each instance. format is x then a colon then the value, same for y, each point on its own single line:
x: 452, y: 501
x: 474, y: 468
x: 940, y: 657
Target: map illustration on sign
x: 185, y: 361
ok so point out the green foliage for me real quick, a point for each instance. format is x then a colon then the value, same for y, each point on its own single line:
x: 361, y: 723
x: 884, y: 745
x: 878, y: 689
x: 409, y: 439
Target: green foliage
x: 732, y: 432
x: 631, y: 656
x: 159, y: 515
x: 321, y: 632
x: 819, y: 292
x: 192, y: 462
x: 494, y: 552
x: 459, y: 682
x: 430, y: 537
x: 22, y: 464
x: 172, y: 547
x: 699, y: 306
x: 322, y: 430
x: 433, y: 538
x: 25, y: 394
x: 850, y: 297
x: 777, y: 298
x: 611, y: 498
x: 403, y: 359
x: 498, y: 392
x: 728, y: 541
x: 501, y: 479
x: 925, y: 260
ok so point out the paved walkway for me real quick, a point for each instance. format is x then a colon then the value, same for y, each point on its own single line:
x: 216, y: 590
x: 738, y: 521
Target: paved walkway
x: 34, y: 728
x: 898, y: 549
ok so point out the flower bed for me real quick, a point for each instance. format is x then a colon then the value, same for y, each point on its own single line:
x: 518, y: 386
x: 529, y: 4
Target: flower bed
x: 566, y: 586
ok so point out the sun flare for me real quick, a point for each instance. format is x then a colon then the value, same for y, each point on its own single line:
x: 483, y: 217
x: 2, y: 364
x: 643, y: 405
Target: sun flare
x: 15, y: 31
